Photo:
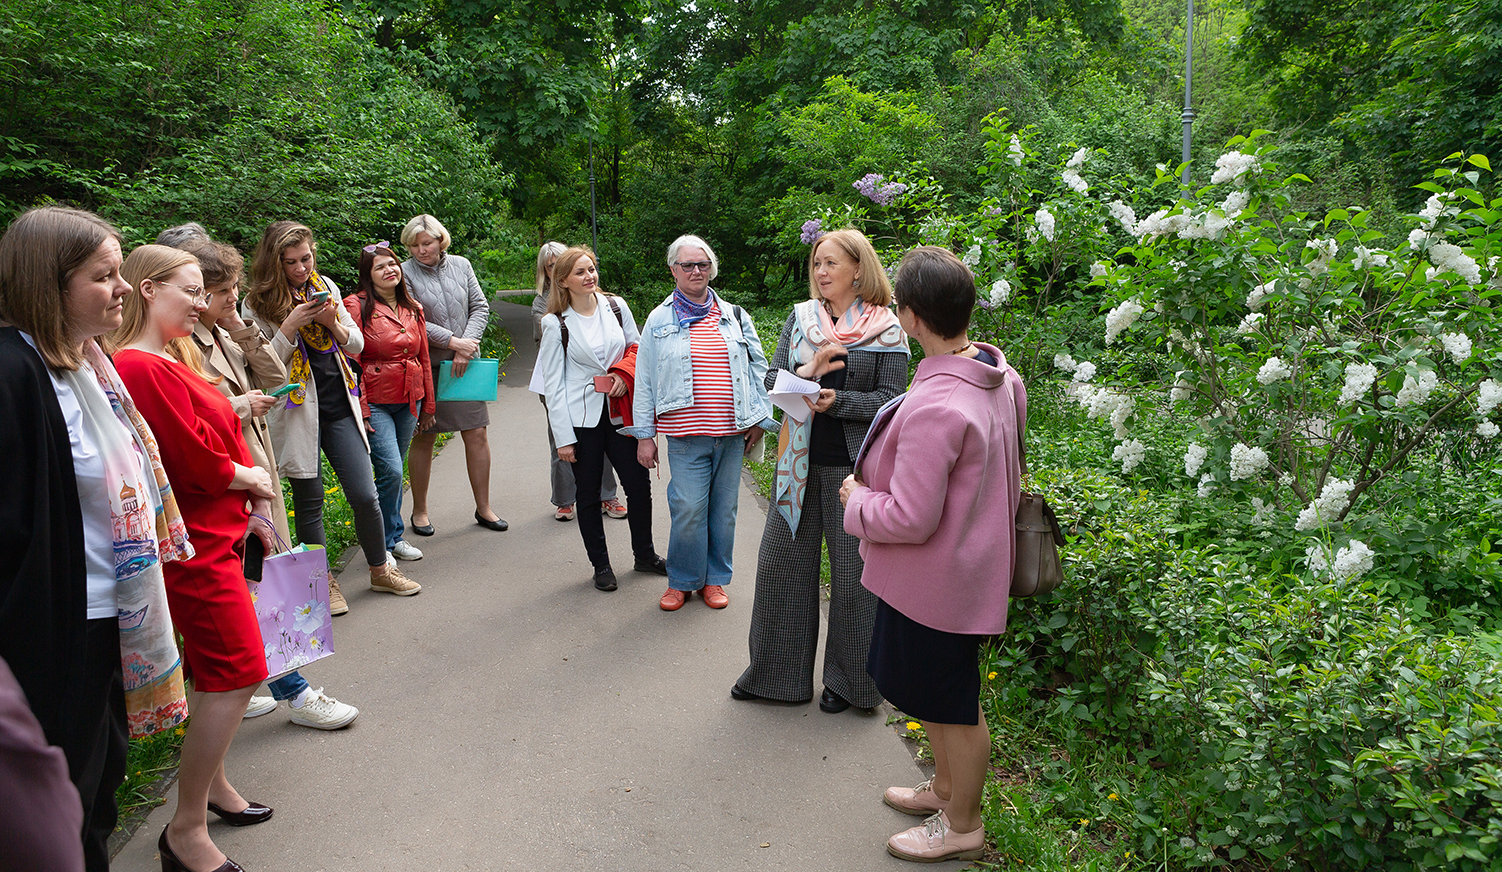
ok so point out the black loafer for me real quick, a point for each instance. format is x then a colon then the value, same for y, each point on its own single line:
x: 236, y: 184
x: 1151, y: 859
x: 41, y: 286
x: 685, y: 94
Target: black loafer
x: 655, y: 565
x: 421, y: 529
x: 832, y: 702
x: 740, y: 693
x: 254, y: 813
x: 499, y: 524
x: 605, y: 579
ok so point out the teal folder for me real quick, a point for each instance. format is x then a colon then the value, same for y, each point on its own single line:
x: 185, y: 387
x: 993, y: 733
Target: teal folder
x: 477, y: 383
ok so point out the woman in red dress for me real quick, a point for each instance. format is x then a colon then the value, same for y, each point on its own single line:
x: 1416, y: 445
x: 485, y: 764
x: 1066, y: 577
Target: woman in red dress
x: 209, y: 464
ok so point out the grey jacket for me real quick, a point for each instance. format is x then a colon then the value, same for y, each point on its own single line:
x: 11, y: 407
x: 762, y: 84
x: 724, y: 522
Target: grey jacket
x: 452, y: 301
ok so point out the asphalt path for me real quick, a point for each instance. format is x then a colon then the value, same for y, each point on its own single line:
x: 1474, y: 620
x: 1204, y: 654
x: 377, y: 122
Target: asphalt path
x: 514, y: 718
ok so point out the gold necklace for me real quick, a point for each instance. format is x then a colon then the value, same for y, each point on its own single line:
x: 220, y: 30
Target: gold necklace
x: 961, y: 350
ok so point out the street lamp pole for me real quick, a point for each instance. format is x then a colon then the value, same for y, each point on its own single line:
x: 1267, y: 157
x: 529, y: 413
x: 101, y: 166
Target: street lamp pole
x: 594, y: 227
x: 1188, y: 115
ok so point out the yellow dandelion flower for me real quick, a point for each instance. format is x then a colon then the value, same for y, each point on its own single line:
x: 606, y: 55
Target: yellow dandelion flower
x: 1084, y: 822
x: 913, y: 725
x: 179, y: 731
x: 1112, y: 796
x: 990, y: 675
x: 346, y: 523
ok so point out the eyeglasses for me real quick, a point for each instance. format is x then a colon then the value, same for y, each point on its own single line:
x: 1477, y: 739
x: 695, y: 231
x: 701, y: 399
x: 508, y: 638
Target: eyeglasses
x: 371, y: 249
x: 695, y: 266
x: 199, y: 293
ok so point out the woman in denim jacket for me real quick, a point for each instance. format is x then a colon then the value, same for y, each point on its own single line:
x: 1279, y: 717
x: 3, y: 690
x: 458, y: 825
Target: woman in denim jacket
x: 699, y: 374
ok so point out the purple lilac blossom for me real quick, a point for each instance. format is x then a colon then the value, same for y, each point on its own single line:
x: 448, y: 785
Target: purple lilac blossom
x: 870, y: 186
x: 812, y: 230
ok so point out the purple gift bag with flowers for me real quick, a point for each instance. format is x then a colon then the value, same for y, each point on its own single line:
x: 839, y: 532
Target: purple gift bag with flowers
x: 292, y: 606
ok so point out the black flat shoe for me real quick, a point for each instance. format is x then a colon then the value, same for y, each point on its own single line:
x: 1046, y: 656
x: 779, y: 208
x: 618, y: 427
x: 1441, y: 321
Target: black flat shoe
x: 253, y: 814
x: 740, y: 693
x: 832, y: 702
x: 421, y: 529
x: 499, y: 524
x: 605, y: 579
x: 170, y: 863
x: 656, y: 565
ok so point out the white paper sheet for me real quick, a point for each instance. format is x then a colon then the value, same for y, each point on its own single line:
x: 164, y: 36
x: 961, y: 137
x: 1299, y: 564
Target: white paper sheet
x: 788, y: 392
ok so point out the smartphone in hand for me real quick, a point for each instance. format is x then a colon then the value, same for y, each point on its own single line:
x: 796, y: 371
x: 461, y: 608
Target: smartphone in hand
x: 286, y: 389
x: 321, y: 297
x: 255, y: 556
x: 604, y: 383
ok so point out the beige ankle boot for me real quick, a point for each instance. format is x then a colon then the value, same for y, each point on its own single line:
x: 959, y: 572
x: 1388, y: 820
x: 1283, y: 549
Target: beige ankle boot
x: 337, y: 605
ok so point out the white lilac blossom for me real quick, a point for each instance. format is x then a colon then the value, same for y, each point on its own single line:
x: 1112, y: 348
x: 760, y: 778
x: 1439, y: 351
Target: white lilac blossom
x: 882, y: 194
x: 1078, y: 158
x: 1129, y: 453
x: 1324, y: 252
x: 1487, y: 429
x: 1352, y: 561
x: 1064, y: 362
x: 1233, y: 166
x: 1333, y: 499
x: 1418, y: 237
x: 1415, y: 391
x: 1160, y: 223
x: 1258, y: 296
x: 812, y: 230
x: 1124, y: 315
x: 1181, y: 389
x: 1014, y: 151
x: 1206, y: 486
x: 1099, y: 268
x: 1488, y: 396
x: 1001, y: 291
x: 1436, y: 208
x: 1262, y: 513
x: 1125, y: 215
x: 1235, y: 203
x: 1084, y: 372
x: 1366, y: 258
x: 1072, y: 178
x: 1250, y: 324
x: 1317, y: 556
x: 1045, y: 222
x: 1273, y: 370
x: 1194, y: 458
x: 1247, y: 461
x: 1457, y: 345
x: 1359, y: 379
x: 972, y: 256
x: 1119, y: 415
x: 1450, y: 258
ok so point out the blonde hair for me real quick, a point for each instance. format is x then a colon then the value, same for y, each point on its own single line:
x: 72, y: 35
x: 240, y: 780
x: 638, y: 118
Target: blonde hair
x: 426, y: 223
x: 872, y: 284
x: 38, y: 255
x: 155, y: 263
x: 549, y: 251
x: 269, y: 295
x: 559, y: 303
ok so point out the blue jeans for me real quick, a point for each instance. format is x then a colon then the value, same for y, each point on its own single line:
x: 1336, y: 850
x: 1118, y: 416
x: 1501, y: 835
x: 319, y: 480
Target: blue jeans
x: 288, y: 686
x: 703, y: 495
x: 393, y: 425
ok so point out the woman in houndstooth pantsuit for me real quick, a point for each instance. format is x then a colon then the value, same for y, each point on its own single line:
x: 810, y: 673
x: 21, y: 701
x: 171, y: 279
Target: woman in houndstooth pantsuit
x: 847, y: 339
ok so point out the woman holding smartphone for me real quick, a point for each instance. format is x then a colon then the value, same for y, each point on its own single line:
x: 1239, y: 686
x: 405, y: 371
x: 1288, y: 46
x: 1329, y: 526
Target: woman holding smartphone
x: 588, y: 354
x: 314, y: 335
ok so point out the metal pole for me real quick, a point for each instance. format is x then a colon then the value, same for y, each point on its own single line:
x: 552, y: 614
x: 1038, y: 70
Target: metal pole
x: 1188, y: 115
x: 594, y: 227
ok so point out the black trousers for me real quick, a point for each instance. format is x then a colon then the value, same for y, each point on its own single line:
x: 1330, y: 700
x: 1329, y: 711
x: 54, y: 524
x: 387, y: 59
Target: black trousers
x: 96, y: 741
x: 592, y: 446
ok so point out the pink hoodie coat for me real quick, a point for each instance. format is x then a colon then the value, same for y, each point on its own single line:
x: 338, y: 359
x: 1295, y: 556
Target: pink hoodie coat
x: 942, y: 481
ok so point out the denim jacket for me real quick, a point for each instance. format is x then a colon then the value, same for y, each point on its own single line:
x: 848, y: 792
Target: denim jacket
x: 664, y: 370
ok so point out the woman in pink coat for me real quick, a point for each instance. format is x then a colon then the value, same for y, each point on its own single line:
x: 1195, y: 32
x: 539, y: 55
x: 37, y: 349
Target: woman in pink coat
x: 933, y: 502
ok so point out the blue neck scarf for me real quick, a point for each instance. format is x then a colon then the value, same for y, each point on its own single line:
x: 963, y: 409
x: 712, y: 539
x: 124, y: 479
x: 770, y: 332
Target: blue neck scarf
x: 687, y: 310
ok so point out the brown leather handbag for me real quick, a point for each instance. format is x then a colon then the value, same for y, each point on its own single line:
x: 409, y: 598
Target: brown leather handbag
x: 1038, y: 568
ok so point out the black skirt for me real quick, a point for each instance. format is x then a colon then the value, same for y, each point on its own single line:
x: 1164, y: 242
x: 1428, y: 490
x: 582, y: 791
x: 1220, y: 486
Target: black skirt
x: 927, y: 674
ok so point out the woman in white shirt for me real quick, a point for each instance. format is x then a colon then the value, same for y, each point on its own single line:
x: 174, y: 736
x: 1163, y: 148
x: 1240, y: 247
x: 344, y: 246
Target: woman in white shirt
x: 587, y: 334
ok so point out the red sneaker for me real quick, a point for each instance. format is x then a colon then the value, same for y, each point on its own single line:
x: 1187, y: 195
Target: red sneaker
x: 673, y: 600
x: 714, y: 596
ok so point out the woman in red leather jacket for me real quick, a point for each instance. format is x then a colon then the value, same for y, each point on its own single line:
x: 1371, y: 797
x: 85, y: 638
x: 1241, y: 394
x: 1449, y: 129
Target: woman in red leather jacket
x: 396, y: 383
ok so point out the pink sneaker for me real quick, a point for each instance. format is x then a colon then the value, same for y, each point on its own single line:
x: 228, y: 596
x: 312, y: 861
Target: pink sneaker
x: 933, y: 841
x: 614, y: 508
x: 920, y: 800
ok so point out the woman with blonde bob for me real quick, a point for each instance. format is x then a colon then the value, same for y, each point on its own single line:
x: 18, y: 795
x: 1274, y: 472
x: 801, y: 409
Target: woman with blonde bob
x: 588, y: 335
x: 87, y: 520
x: 204, y: 452
x: 847, y: 339
x: 314, y: 336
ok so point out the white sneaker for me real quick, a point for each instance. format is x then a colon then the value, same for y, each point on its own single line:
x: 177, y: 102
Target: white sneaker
x: 406, y: 551
x: 322, y: 712
x: 260, y: 705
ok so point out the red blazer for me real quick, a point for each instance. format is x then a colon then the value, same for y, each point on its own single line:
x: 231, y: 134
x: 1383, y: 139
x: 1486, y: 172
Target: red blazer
x: 394, y: 363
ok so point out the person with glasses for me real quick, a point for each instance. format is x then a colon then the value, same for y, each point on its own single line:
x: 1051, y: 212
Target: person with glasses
x: 213, y: 476
x: 396, y: 378
x: 699, y: 382
x: 847, y: 339
x: 315, y: 336
x: 246, y: 366
x: 457, y: 313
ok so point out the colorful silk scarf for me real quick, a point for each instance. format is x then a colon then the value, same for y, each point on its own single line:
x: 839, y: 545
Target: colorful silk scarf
x: 314, y: 337
x: 863, y: 326
x: 148, y: 530
x: 687, y: 311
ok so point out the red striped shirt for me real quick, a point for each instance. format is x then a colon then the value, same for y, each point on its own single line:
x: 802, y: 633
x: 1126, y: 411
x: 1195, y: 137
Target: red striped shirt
x: 713, y: 411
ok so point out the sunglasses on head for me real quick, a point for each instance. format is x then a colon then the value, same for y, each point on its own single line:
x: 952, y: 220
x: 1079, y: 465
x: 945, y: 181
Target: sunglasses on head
x: 371, y: 249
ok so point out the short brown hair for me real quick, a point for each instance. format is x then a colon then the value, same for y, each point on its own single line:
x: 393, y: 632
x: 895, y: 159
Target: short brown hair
x: 38, y: 255
x: 155, y: 263
x: 221, y: 264
x: 559, y: 303
x: 269, y: 295
x: 873, y: 286
x: 937, y: 287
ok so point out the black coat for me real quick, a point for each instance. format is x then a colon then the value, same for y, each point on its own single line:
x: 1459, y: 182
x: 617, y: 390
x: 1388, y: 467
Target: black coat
x: 43, y: 580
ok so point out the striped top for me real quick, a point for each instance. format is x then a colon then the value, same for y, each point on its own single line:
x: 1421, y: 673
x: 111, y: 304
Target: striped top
x: 713, y: 411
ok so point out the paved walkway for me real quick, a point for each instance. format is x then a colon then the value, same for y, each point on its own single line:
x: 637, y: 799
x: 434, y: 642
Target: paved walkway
x: 514, y: 718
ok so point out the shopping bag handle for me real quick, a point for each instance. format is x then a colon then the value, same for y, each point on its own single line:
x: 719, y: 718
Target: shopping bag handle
x: 282, y: 544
